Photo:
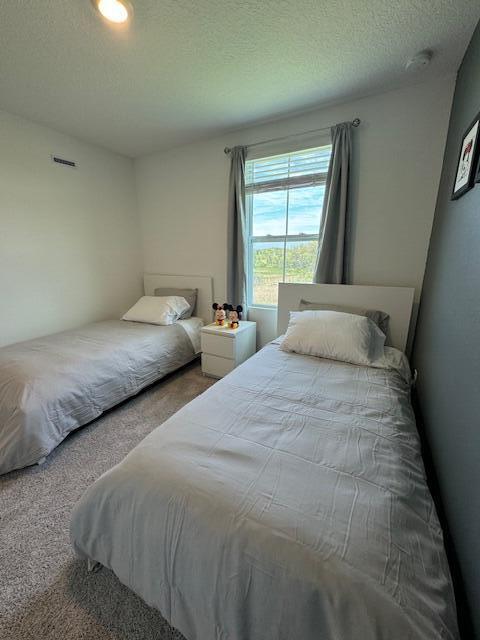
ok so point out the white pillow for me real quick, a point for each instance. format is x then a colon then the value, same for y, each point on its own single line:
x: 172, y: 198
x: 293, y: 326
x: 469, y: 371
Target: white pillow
x: 157, y: 310
x: 334, y: 335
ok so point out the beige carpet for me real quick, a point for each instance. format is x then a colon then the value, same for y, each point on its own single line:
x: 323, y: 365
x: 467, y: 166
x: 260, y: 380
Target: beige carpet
x: 45, y: 592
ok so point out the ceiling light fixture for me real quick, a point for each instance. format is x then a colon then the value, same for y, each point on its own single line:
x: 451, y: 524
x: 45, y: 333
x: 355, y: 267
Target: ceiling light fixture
x: 117, y: 11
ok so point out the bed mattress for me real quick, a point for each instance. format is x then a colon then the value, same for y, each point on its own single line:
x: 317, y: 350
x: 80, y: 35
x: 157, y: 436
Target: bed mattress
x: 52, y: 385
x: 287, y: 501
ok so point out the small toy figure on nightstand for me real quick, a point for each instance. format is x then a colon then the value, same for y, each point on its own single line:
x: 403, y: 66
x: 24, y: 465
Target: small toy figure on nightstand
x: 234, y: 315
x: 220, y: 314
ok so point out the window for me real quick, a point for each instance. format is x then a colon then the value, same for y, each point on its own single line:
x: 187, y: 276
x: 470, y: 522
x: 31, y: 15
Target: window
x: 284, y: 199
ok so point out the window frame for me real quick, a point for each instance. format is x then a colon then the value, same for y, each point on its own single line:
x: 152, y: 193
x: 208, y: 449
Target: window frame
x: 282, y: 239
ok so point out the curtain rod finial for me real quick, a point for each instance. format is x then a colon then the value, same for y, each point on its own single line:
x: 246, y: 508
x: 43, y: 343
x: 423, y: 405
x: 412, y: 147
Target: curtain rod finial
x: 356, y: 122
x: 227, y: 150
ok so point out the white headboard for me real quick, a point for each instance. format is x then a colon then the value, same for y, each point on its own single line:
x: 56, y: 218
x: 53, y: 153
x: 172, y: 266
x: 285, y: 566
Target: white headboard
x: 396, y: 301
x: 204, y: 284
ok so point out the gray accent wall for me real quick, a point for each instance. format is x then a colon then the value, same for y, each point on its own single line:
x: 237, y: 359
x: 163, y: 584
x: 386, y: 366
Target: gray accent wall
x: 447, y: 351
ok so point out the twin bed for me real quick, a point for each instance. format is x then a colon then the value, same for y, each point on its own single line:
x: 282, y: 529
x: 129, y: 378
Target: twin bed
x: 287, y: 501
x: 52, y: 385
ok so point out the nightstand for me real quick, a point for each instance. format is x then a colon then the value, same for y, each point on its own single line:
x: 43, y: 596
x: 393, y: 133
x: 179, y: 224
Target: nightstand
x: 224, y: 349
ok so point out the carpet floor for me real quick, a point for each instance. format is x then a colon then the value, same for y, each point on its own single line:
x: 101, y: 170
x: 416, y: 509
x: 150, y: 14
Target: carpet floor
x: 45, y: 592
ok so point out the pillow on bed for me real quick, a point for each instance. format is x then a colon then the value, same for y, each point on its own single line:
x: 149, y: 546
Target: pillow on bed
x: 157, y: 310
x: 380, y: 318
x: 334, y: 335
x: 190, y: 296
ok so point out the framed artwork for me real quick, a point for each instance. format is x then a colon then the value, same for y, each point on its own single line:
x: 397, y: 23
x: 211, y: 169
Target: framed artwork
x: 467, y: 160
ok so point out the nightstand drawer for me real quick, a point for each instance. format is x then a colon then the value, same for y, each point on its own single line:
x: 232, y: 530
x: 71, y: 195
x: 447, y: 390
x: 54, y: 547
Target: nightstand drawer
x: 218, y: 345
x: 216, y: 366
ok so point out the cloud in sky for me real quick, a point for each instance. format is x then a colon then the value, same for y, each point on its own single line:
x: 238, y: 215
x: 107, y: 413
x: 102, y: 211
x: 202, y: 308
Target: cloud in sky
x: 304, y: 211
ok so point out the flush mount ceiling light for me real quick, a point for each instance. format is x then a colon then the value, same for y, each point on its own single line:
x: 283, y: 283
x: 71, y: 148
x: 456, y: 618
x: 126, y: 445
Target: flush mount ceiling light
x: 117, y: 11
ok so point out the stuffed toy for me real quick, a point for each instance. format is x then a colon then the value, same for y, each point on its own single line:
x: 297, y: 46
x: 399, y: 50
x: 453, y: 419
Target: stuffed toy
x: 220, y: 313
x: 234, y: 315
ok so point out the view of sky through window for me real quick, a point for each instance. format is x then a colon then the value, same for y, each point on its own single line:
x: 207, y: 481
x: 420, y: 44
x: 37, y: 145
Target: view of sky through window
x: 284, y: 200
x: 304, y: 211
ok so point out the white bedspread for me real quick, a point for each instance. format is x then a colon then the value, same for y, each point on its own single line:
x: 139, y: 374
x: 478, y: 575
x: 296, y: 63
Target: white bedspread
x: 288, y: 502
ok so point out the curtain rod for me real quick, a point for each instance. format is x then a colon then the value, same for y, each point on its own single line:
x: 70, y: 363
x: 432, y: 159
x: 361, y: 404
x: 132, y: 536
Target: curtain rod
x: 354, y: 123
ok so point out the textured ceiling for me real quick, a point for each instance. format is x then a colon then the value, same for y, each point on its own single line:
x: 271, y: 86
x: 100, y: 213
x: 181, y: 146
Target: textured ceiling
x: 185, y: 69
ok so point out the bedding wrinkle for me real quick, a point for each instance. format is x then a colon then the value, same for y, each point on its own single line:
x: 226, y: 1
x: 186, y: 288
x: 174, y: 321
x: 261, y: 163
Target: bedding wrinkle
x: 349, y: 525
x: 388, y: 554
x: 174, y: 523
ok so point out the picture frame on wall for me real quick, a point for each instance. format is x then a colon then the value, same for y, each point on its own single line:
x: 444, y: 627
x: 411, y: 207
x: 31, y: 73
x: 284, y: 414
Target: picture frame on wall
x: 467, y: 160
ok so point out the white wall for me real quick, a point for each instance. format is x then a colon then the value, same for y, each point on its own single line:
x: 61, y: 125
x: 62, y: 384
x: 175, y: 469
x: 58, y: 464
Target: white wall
x: 69, y: 238
x: 399, y: 146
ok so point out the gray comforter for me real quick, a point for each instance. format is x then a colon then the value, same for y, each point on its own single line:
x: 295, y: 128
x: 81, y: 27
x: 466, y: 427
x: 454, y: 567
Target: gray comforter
x: 287, y: 502
x: 53, y: 385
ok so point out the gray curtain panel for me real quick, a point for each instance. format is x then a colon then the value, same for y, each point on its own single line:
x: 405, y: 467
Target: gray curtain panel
x: 237, y: 230
x: 332, y: 266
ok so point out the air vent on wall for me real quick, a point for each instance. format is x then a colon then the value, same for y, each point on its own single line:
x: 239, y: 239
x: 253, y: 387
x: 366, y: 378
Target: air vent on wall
x: 64, y: 162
